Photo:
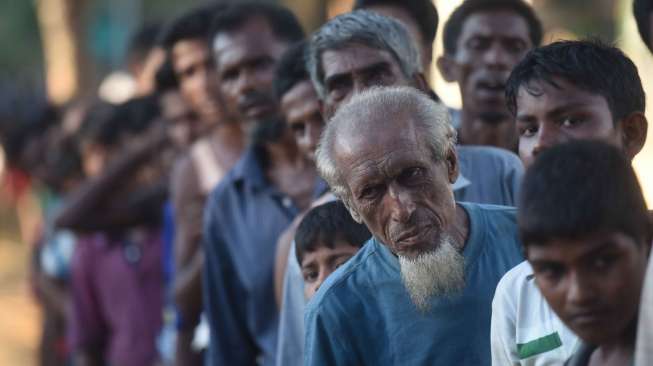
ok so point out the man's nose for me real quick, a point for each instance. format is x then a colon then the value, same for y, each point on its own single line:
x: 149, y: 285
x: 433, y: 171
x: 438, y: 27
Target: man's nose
x: 496, y: 57
x: 580, y: 292
x: 246, y: 82
x: 312, y: 136
x: 403, y: 205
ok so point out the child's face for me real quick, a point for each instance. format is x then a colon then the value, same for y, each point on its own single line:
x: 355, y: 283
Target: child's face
x: 592, y: 283
x: 558, y: 114
x: 319, y: 264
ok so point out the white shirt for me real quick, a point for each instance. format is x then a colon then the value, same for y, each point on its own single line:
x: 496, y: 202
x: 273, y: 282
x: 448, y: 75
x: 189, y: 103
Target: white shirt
x: 525, y: 331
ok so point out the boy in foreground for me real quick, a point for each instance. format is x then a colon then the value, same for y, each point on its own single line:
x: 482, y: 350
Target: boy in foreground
x: 584, y: 226
x: 326, y: 238
x: 568, y: 90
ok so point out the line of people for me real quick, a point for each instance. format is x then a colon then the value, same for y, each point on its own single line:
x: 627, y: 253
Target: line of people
x: 284, y: 199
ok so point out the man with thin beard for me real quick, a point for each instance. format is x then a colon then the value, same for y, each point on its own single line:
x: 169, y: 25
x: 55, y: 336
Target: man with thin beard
x: 419, y: 292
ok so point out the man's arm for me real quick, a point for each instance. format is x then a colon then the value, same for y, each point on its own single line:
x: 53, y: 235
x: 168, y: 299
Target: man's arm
x: 188, y: 203
x: 225, y: 300
x: 95, y: 206
x: 324, y: 344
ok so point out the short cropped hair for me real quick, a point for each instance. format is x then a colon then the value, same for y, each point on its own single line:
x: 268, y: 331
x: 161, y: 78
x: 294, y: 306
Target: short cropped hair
x: 581, y: 188
x: 291, y: 69
x: 366, y: 28
x: 325, y: 224
x: 423, y: 11
x: 642, y: 10
x: 590, y: 65
x: 282, y: 21
x: 454, y: 25
x: 431, y: 118
x: 195, y: 24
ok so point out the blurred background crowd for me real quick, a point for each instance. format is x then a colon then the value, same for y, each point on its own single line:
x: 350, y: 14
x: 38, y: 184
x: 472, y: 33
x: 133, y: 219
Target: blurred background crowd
x: 73, y: 72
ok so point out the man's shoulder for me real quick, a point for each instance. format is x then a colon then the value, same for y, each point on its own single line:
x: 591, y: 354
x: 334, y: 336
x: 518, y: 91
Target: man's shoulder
x: 489, y: 212
x: 342, y: 281
x: 488, y: 154
x: 515, y: 281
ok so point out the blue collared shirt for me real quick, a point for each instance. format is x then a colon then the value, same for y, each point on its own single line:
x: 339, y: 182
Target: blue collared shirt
x: 244, y: 216
x: 362, y: 314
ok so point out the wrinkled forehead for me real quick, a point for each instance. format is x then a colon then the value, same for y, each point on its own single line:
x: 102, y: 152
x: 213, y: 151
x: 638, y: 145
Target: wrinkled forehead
x: 352, y: 58
x: 373, y: 138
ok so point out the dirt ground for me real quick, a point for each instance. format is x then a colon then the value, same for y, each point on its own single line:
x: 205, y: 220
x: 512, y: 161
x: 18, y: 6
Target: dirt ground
x: 19, y: 316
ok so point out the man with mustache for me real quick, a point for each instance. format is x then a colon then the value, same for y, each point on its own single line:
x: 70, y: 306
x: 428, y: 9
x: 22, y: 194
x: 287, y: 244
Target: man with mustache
x: 218, y: 144
x: 420, y: 291
x: 260, y: 196
x: 483, y: 41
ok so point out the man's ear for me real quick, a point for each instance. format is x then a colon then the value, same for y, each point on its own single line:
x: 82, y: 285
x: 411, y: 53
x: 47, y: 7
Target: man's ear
x: 447, y: 67
x: 633, y: 133
x: 452, y: 165
x: 420, y: 82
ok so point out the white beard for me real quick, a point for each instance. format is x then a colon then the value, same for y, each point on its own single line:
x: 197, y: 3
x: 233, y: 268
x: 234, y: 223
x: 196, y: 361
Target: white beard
x: 440, y: 272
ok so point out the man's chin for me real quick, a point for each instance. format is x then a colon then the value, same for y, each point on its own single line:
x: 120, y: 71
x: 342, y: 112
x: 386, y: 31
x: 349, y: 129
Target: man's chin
x: 433, y: 273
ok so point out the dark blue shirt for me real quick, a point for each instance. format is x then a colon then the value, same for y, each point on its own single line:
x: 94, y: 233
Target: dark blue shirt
x: 362, y: 314
x: 244, y: 216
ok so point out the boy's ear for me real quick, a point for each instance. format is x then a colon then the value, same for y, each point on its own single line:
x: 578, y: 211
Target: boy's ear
x: 447, y: 67
x: 633, y: 133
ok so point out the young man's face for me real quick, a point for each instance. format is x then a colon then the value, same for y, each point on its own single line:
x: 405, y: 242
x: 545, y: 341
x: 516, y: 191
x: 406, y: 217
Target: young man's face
x: 548, y: 115
x: 301, y: 109
x: 490, y: 44
x: 319, y: 264
x: 592, y: 283
x: 194, y: 68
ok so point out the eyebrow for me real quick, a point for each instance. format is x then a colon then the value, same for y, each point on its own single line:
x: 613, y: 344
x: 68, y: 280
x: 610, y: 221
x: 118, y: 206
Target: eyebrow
x: 565, y: 108
x: 365, y: 69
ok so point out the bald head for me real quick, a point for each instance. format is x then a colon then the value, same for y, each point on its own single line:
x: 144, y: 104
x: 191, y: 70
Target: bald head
x: 379, y: 117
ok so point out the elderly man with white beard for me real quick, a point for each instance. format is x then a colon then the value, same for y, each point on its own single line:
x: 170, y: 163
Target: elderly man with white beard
x: 420, y: 291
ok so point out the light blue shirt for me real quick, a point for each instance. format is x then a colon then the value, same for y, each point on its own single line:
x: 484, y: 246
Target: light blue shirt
x: 362, y: 314
x: 487, y: 175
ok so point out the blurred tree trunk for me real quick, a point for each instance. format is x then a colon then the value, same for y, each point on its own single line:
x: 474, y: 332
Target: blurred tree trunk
x: 60, y: 25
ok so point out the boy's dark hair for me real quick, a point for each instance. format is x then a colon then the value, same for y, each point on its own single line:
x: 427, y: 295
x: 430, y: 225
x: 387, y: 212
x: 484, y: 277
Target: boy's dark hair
x: 282, y: 21
x: 291, y: 69
x: 454, y: 25
x: 581, y: 188
x: 589, y: 65
x: 325, y: 224
x: 423, y: 11
x: 642, y: 10
x: 195, y: 24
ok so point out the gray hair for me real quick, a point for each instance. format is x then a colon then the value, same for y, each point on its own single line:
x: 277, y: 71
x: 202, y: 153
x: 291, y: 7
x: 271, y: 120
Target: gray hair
x: 430, y: 117
x: 366, y: 28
